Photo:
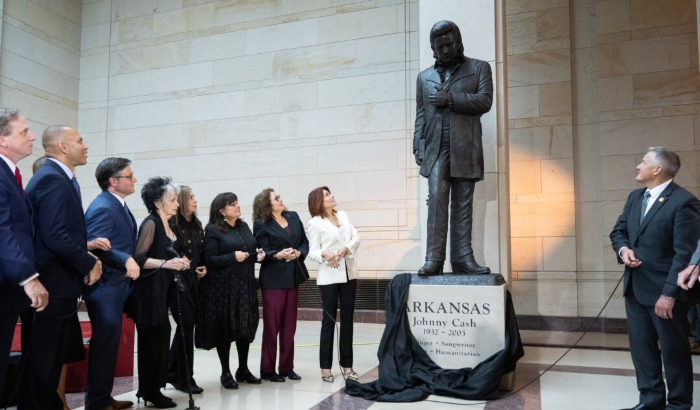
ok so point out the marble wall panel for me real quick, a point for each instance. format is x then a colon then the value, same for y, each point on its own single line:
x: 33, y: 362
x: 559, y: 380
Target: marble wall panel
x: 182, y: 77
x: 645, y: 14
x: 553, y: 24
x: 365, y: 156
x: 95, y: 36
x: 390, y: 48
x: 523, y: 6
x: 94, y: 66
x: 146, y: 114
x: 546, y: 298
x: 284, y: 36
x: 635, y: 136
x: 319, y: 123
x: 44, y: 20
x: 587, y: 170
x: 667, y: 88
x: 612, y: 16
x: 359, y: 89
x: 213, y: 107
x: 296, y: 188
x: 293, y: 161
x: 523, y: 102
x: 133, y: 8
x: 130, y: 85
x: 541, y: 143
x: 34, y: 74
x: 542, y: 219
x: 559, y: 254
x: 521, y: 28
x: 387, y: 255
x: 43, y: 52
x: 243, y: 69
x: 527, y: 179
x: 526, y: 254
x: 184, y: 19
x: 135, y: 28
x: 618, y: 171
x: 632, y: 57
x: 381, y: 185
x: 557, y: 175
x: 94, y: 120
x: 555, y: 99
x: 315, y: 59
x: 539, y: 68
x: 98, y: 12
x: 69, y: 9
x: 616, y: 93
x: 148, y: 58
x: 216, y: 46
x: 143, y: 140
x: 239, y: 11
x: 589, y: 247
x: 234, y: 132
x: 378, y: 117
x: 583, y: 24
x: 359, y: 24
x: 246, y: 189
x: 210, y: 167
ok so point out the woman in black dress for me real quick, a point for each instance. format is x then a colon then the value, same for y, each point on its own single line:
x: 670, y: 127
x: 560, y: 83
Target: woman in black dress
x: 150, y: 295
x: 190, y: 237
x: 229, y: 306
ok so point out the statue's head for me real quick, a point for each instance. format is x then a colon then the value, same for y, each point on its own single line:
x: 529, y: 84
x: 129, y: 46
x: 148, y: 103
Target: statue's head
x: 446, y: 41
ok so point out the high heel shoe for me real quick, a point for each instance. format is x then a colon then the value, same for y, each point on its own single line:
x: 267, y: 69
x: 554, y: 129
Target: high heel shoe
x: 160, y: 401
x: 328, y: 379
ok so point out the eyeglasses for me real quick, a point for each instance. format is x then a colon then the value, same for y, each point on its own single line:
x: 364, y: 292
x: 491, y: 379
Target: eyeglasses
x: 277, y: 198
x: 130, y: 176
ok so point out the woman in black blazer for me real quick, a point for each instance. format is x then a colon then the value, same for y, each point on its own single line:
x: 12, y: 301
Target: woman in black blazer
x: 281, y: 235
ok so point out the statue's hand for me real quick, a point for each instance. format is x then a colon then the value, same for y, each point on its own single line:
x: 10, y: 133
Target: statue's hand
x: 419, y: 160
x: 440, y: 99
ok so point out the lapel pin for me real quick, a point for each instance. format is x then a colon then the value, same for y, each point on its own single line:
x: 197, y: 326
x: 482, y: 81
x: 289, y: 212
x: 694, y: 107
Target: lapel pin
x: 661, y: 199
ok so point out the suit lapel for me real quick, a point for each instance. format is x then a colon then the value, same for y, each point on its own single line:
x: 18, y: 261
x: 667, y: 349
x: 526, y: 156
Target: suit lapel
x: 128, y: 217
x: 275, y: 228
x: 57, y: 168
x: 655, y: 207
x: 334, y: 230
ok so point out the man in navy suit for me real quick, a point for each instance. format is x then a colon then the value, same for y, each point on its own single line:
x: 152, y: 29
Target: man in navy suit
x: 63, y: 261
x: 109, y: 217
x: 655, y: 237
x: 19, y: 282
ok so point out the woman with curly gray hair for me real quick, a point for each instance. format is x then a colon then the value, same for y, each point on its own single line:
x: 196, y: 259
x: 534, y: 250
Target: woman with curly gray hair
x: 157, y: 255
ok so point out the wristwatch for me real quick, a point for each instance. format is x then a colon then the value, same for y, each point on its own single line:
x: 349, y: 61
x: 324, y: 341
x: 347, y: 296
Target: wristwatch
x: 669, y: 297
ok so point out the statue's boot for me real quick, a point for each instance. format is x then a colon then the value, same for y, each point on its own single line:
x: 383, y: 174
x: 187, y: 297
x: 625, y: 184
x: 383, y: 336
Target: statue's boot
x: 469, y: 267
x: 431, y: 268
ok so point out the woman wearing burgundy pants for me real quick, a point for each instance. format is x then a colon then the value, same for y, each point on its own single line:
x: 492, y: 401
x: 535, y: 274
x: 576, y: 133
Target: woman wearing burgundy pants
x: 281, y: 235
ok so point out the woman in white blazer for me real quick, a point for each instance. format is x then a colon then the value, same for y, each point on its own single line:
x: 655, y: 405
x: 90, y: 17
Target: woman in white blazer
x: 333, y: 243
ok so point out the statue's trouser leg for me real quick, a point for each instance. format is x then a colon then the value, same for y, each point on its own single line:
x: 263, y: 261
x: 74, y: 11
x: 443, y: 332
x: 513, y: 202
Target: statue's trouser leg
x: 461, y: 220
x: 438, y: 205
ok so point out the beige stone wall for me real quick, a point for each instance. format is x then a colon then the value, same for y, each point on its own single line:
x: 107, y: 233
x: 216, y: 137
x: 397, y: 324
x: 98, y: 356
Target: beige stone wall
x: 40, y: 62
x: 242, y: 95
x: 592, y: 84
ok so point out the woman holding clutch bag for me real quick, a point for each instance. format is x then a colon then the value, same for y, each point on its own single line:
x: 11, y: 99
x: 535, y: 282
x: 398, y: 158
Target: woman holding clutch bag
x: 333, y: 243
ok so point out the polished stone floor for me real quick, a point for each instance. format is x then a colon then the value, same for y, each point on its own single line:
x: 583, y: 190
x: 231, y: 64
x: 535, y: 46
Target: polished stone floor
x: 597, y: 375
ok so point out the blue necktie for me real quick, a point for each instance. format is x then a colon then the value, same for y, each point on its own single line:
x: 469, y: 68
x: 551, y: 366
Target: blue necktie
x: 77, y: 189
x: 645, y: 202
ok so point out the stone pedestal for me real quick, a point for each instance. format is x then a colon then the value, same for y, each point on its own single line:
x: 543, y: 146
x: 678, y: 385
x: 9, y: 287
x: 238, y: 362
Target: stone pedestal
x: 460, y: 320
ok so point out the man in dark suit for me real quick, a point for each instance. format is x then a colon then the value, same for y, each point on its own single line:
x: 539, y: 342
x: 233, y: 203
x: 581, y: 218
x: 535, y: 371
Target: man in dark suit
x: 451, y: 97
x: 63, y: 262
x: 19, y: 282
x: 655, y: 237
x: 109, y: 217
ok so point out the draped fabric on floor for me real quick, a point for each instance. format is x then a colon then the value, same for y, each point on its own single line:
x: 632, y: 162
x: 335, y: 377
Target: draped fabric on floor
x: 407, y: 374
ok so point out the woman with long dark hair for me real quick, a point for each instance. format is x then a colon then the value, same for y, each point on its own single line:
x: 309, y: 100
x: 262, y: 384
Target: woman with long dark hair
x: 333, y: 243
x: 281, y: 234
x: 228, y: 294
x: 154, y: 254
x: 190, y: 236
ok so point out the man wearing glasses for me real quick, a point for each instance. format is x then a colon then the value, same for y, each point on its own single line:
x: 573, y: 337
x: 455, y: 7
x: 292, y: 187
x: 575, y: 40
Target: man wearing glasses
x: 109, y: 217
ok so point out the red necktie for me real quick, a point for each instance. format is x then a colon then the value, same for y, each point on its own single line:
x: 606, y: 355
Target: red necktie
x: 19, y: 179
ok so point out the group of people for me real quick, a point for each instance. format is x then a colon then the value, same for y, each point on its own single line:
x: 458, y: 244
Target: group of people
x: 53, y: 253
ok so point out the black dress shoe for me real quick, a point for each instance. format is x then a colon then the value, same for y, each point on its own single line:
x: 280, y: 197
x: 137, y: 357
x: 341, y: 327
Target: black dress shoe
x: 227, y: 381
x: 183, y: 387
x: 469, y: 268
x: 643, y: 407
x: 118, y: 404
x: 245, y: 376
x: 291, y: 375
x: 157, y: 399
x: 273, y: 377
x: 430, y: 269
